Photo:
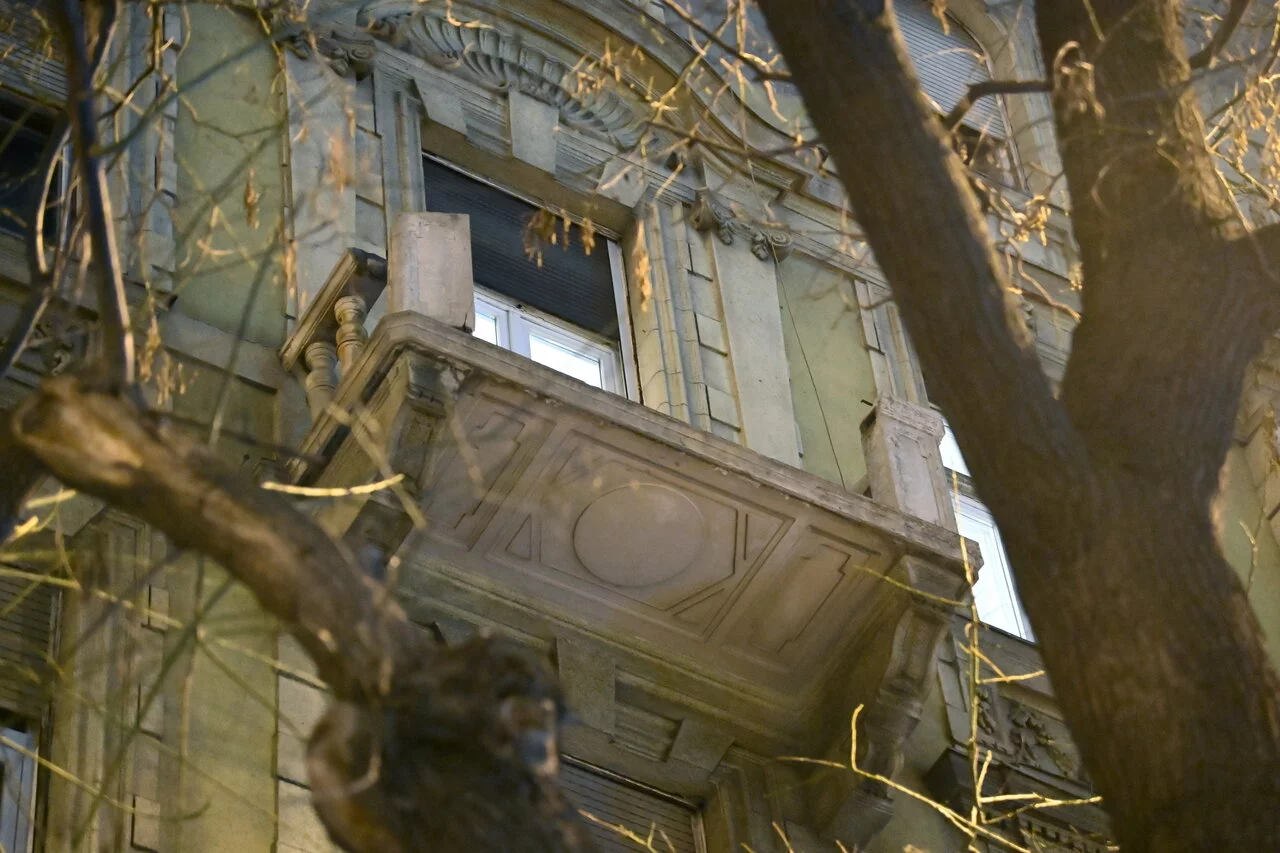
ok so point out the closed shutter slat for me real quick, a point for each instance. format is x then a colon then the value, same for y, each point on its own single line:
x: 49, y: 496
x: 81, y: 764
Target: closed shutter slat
x: 637, y: 809
x: 635, y: 818
x: 29, y: 62
x: 24, y: 643
x: 947, y: 63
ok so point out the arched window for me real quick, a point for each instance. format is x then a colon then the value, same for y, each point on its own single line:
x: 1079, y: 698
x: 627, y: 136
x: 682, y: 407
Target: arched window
x: 948, y: 61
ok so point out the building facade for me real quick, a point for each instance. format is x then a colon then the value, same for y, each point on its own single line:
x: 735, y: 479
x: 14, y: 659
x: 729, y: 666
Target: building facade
x: 581, y: 278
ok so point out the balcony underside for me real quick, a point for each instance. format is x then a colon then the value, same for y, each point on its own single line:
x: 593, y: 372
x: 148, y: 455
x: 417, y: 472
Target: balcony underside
x: 700, y: 561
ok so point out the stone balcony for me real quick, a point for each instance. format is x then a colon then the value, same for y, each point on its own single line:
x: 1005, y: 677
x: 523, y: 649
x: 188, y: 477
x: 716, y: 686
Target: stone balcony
x: 695, y: 595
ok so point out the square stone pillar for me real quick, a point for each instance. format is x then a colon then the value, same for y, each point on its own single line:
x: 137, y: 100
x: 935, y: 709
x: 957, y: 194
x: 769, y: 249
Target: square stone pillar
x: 429, y: 268
x: 904, y: 464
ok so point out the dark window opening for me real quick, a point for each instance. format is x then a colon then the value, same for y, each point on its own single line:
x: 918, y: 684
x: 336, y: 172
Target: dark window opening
x: 570, y: 283
x: 23, y: 136
x: 985, y: 154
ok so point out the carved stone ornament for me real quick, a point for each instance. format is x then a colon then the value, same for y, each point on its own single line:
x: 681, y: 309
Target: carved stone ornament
x: 499, y: 59
x: 1030, y: 732
x: 348, y: 50
x: 709, y: 213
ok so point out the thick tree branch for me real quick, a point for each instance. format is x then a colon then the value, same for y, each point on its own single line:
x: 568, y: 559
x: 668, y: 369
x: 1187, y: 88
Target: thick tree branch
x: 988, y: 88
x: 103, y: 446
x: 22, y: 472
x: 1136, y: 163
x: 1230, y: 22
x: 1103, y: 501
x: 425, y: 747
x: 983, y: 370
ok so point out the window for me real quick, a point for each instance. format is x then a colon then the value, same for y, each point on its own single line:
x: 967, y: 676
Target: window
x: 985, y: 154
x: 995, y: 593
x: 512, y: 326
x: 565, y: 310
x: 948, y: 60
x: 675, y: 824
x: 23, y: 135
x: 17, y: 789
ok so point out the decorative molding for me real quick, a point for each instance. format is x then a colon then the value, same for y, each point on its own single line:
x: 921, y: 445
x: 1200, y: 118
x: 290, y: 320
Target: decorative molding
x: 501, y: 60
x: 1065, y: 826
x: 1030, y: 734
x: 857, y: 810
x: 1023, y: 737
x: 709, y: 213
x: 348, y: 50
x: 58, y: 347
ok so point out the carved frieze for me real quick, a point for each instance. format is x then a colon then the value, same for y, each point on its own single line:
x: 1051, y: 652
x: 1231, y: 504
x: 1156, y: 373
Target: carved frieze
x: 497, y: 56
x: 1014, y: 719
x: 710, y: 213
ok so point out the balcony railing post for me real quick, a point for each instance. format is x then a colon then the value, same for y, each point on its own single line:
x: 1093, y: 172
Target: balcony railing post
x: 904, y: 464
x: 429, y: 268
x: 322, y: 378
x: 350, y: 312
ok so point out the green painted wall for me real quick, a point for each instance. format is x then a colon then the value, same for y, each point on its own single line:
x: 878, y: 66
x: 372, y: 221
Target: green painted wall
x: 229, y: 140
x: 832, y: 386
x: 1240, y: 518
x: 231, y: 732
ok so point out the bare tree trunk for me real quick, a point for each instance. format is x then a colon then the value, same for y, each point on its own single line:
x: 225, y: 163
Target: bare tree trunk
x: 1104, y: 498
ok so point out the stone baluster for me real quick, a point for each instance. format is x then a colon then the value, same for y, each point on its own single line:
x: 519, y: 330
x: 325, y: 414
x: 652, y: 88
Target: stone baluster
x: 322, y: 376
x: 351, y: 337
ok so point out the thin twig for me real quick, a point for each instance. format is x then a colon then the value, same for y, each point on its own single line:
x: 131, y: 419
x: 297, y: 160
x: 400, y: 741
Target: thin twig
x: 992, y: 87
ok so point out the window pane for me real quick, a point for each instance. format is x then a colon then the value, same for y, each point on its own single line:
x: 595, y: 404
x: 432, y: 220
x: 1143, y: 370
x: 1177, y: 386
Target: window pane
x: 486, y: 328
x: 951, y: 457
x: 566, y: 361
x: 994, y: 593
x: 569, y: 283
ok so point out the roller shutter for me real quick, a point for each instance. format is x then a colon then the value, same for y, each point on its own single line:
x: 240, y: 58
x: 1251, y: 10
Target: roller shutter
x: 619, y: 802
x: 947, y: 63
x: 569, y: 284
x: 29, y: 60
x: 26, y: 622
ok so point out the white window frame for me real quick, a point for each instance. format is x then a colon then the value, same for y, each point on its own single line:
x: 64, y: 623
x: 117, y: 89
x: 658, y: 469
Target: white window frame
x: 995, y: 593
x: 515, y: 323
x: 18, y: 797
x: 625, y: 381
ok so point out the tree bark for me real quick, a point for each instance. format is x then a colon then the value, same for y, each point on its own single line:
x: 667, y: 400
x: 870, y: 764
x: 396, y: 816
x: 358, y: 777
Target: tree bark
x: 1103, y: 499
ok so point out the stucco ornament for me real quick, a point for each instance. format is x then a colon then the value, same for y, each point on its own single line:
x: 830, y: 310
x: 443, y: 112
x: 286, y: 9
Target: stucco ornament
x: 348, y: 50
x: 710, y: 213
x: 497, y: 57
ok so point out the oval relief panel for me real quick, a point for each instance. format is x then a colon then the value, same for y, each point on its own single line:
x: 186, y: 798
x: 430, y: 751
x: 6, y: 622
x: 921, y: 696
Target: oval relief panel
x: 639, y: 535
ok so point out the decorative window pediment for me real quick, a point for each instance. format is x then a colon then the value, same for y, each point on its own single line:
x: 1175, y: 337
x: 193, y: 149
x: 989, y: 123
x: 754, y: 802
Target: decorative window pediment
x: 496, y: 56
